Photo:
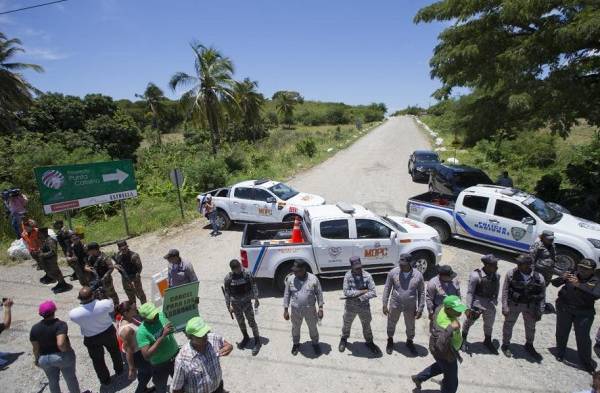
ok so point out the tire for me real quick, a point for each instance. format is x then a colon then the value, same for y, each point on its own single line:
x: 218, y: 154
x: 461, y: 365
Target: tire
x: 441, y: 228
x: 424, y: 262
x: 223, y: 220
x: 282, y: 272
x: 566, y: 259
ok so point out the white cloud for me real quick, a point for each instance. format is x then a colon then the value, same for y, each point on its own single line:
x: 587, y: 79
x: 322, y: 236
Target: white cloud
x: 28, y: 31
x: 44, y: 54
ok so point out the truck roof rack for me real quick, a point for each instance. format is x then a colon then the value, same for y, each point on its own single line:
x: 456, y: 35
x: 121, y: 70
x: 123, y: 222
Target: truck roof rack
x: 260, y: 181
x: 345, y: 207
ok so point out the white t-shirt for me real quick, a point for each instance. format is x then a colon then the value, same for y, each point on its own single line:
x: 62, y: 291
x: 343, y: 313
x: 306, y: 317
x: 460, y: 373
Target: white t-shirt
x: 93, y: 318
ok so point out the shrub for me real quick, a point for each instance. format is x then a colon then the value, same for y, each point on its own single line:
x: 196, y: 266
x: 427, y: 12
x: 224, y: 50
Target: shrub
x: 548, y: 187
x: 307, y: 147
x: 207, y: 173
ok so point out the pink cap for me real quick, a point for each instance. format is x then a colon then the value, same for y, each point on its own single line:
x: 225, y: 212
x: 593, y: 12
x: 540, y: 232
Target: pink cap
x: 46, y: 308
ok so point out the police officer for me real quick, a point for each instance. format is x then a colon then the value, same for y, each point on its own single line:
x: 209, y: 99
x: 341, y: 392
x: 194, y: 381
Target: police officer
x: 482, y: 298
x: 98, y: 263
x: 49, y: 260
x: 129, y: 264
x: 523, y: 292
x: 575, y: 307
x: 302, y: 291
x: 543, y: 253
x: 359, y: 288
x: 240, y: 288
x: 440, y: 286
x: 407, y: 288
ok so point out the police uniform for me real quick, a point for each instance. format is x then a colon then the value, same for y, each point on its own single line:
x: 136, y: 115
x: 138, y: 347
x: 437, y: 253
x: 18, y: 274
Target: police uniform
x: 240, y: 289
x: 438, y: 289
x: 482, y: 298
x: 357, y: 303
x: 522, y: 294
x: 301, y: 295
x: 575, y: 307
x: 131, y: 279
x: 544, y: 257
x: 101, y: 264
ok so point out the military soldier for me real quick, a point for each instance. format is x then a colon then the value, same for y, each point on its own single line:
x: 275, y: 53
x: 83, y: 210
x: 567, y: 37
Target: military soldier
x: 440, y: 286
x: 407, y: 289
x: 302, y: 291
x: 359, y: 288
x: 98, y: 263
x: 575, y: 306
x: 240, y: 288
x: 482, y: 298
x: 76, y: 258
x: 49, y: 260
x: 523, y: 292
x: 129, y: 264
x: 543, y: 253
x: 63, y: 237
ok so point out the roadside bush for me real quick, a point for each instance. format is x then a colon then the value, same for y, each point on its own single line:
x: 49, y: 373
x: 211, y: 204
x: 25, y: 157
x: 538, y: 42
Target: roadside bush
x: 548, y: 187
x: 235, y: 159
x: 207, y: 173
x: 307, y: 147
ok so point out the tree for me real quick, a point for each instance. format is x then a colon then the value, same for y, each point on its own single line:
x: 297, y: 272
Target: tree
x: 119, y: 136
x: 16, y: 94
x: 210, y: 89
x: 285, y: 103
x: 528, y: 63
x: 249, y: 106
x: 154, y: 97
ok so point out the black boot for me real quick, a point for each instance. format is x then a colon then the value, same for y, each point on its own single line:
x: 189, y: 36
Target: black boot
x: 389, y: 348
x: 47, y: 280
x: 342, y: 346
x: 531, y: 350
x: 295, y: 349
x: 411, y: 347
x: 490, y: 345
x: 257, y: 346
x: 465, y: 345
x: 245, y: 339
x: 506, y: 350
x: 62, y: 287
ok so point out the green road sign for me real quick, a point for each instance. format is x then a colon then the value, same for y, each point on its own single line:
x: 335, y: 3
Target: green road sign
x: 180, y: 304
x: 65, y: 187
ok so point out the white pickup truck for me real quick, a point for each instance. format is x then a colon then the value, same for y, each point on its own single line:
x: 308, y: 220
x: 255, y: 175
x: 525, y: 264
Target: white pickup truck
x: 334, y: 233
x: 507, y: 219
x: 259, y: 201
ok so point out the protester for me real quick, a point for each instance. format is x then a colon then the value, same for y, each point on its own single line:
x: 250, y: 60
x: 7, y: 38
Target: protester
x: 30, y: 236
x: 158, y: 345
x: 48, y: 257
x: 129, y: 264
x: 77, y: 259
x: 197, y: 366
x: 16, y: 204
x: 180, y: 271
x: 5, y: 325
x: 95, y: 321
x: 52, y: 350
x: 100, y: 264
x: 126, y: 329
x: 211, y: 213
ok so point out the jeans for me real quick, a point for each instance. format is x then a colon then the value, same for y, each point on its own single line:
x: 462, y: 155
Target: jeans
x: 161, y: 373
x: 212, y: 216
x: 16, y: 220
x: 95, y: 346
x: 441, y: 366
x: 56, y: 363
x: 144, y: 371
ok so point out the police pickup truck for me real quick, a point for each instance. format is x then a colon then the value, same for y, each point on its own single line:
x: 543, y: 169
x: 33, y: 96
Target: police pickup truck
x: 331, y: 235
x: 507, y: 219
x: 259, y: 201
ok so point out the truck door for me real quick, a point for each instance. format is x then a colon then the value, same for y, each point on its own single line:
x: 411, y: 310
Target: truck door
x: 513, y: 232
x: 261, y: 209
x: 332, y: 245
x: 241, y: 203
x: 373, y: 244
x: 471, y: 216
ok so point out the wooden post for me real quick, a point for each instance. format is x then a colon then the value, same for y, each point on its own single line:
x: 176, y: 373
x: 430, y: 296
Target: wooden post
x: 125, y: 217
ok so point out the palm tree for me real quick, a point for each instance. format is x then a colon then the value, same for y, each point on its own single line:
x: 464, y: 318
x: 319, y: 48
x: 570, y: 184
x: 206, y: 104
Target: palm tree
x: 211, y: 87
x: 15, y: 92
x: 285, y: 103
x: 249, y: 105
x: 154, y: 98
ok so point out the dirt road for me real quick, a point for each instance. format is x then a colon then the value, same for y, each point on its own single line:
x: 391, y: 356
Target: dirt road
x: 372, y: 172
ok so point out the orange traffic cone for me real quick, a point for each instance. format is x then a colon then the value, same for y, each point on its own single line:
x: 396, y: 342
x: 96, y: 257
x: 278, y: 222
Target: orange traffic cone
x: 297, y: 232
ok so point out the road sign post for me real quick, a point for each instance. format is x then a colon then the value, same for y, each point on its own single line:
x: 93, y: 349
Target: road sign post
x: 176, y: 176
x: 125, y: 217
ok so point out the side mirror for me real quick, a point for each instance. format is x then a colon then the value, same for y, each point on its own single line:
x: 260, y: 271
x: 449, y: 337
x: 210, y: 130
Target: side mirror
x: 393, y: 235
x: 528, y: 221
x: 271, y: 200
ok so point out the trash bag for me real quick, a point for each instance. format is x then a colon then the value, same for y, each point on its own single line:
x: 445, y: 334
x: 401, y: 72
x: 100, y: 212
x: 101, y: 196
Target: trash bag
x: 18, y: 250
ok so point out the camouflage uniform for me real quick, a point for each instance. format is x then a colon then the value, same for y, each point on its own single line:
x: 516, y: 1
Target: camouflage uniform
x: 302, y: 295
x: 102, y: 265
x: 544, y: 258
x: 358, y: 304
x: 48, y: 257
x: 76, y: 258
x: 131, y: 264
x: 239, y: 292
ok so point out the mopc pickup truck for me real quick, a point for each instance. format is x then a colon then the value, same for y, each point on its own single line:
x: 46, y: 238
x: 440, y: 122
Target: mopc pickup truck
x: 259, y: 201
x: 507, y: 219
x: 331, y: 235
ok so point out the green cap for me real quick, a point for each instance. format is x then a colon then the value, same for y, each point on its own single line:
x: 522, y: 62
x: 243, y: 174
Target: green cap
x: 197, y: 327
x: 148, y: 311
x: 454, y: 303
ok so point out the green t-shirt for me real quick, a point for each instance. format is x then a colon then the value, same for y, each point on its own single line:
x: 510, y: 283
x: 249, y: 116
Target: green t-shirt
x: 443, y: 320
x: 148, y: 333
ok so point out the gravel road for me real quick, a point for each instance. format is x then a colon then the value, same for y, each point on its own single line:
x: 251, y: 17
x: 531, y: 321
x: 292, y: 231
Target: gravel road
x: 371, y: 172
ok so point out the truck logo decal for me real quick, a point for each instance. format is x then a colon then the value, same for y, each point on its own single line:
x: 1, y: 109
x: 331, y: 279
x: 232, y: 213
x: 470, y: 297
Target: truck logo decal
x: 335, y: 251
x: 263, y: 211
x: 486, y: 226
x: 485, y: 236
x: 379, y: 252
x: 518, y: 233
x: 259, y: 259
x: 306, y: 197
x: 293, y: 209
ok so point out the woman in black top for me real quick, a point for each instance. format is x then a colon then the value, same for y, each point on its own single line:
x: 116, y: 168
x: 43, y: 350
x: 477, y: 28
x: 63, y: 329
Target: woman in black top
x: 52, y: 350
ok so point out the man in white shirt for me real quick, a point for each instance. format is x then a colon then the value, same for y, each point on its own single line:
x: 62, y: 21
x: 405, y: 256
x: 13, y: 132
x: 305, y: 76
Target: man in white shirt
x: 95, y: 321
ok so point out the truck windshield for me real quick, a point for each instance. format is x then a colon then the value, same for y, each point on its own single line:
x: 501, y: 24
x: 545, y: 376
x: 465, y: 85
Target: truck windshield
x: 468, y: 179
x: 543, y: 210
x: 394, y: 224
x: 283, y: 191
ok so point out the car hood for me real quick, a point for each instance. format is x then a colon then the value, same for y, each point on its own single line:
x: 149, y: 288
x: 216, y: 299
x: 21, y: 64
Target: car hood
x: 414, y: 227
x: 577, y: 226
x: 304, y: 199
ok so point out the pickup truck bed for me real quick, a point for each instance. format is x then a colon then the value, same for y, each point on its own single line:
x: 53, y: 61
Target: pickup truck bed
x: 271, y: 234
x: 434, y: 198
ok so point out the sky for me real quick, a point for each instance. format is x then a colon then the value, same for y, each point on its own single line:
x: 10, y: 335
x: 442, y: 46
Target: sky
x: 350, y: 51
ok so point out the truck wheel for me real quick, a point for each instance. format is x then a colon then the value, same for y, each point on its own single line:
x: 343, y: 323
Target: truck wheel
x: 282, y: 272
x: 424, y: 262
x: 566, y: 259
x: 223, y: 220
x: 441, y: 228
x: 290, y: 218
